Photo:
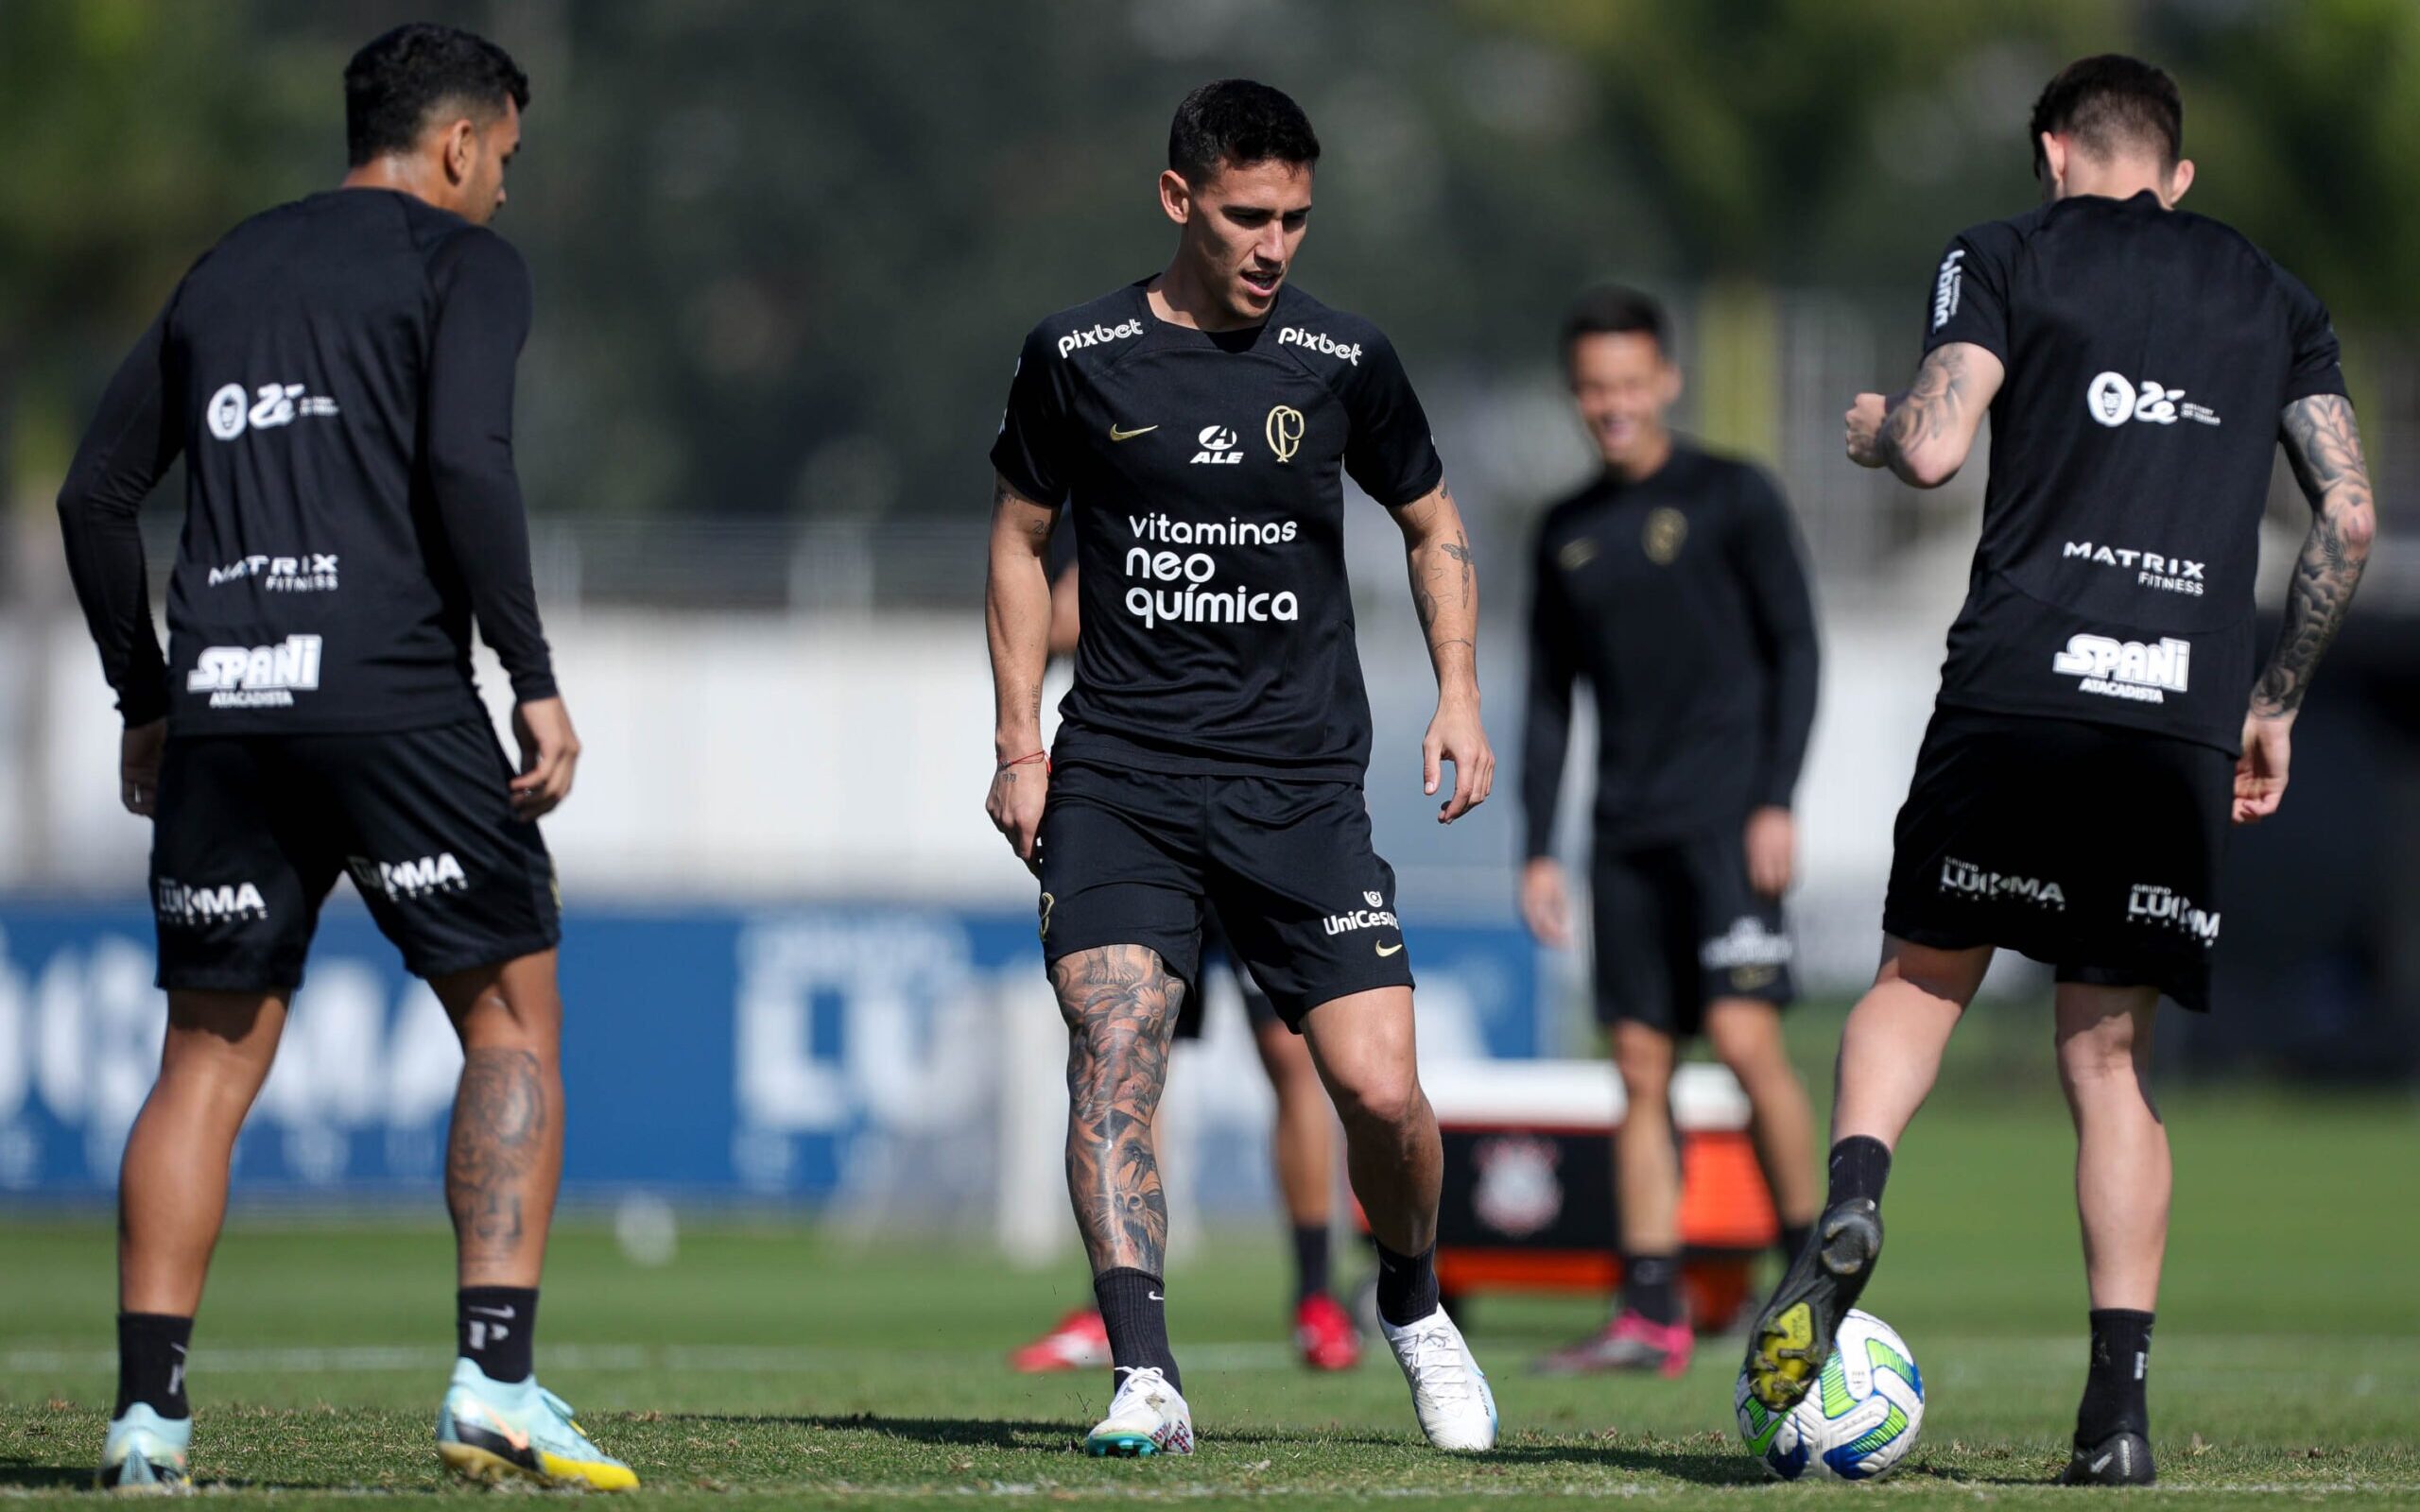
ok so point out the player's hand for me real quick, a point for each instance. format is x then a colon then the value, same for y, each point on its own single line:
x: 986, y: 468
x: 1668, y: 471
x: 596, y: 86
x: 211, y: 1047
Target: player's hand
x: 1771, y: 845
x: 1455, y: 736
x: 138, y: 766
x: 549, y: 751
x: 2260, y: 771
x: 1015, y: 805
x: 1865, y: 420
x: 1546, y: 901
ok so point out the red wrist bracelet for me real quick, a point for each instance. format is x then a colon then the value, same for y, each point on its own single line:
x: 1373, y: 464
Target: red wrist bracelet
x: 1042, y: 756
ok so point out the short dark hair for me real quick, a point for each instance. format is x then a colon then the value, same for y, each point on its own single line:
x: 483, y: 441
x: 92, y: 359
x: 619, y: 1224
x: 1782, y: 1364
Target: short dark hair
x: 1237, y: 122
x: 1610, y: 309
x: 393, y: 84
x: 2110, y: 103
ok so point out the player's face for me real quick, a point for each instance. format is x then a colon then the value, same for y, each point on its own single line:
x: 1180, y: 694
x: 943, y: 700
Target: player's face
x: 1623, y: 384
x: 1242, y: 229
x: 483, y: 182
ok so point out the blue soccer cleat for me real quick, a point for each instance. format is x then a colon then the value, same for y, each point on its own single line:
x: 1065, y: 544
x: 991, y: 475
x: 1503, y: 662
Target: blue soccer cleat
x: 497, y: 1433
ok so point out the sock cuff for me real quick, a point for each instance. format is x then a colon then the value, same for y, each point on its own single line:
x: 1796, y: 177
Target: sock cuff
x: 1134, y: 1272
x: 2110, y: 1316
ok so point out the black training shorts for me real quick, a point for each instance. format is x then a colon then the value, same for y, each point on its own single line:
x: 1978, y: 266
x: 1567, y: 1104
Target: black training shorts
x: 1131, y: 858
x: 252, y: 831
x: 1679, y: 927
x: 1217, y: 955
x: 2092, y: 849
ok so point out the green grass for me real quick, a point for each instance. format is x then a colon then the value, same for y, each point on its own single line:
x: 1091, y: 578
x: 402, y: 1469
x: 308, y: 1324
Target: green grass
x: 793, y: 1367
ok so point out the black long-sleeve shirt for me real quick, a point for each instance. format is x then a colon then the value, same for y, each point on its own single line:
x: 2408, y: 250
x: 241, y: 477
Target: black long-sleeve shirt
x: 1681, y: 601
x: 338, y: 373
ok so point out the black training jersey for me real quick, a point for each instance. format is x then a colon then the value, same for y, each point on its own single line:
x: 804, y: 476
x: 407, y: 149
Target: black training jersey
x: 338, y: 373
x: 1681, y: 601
x: 1205, y: 474
x: 2149, y: 353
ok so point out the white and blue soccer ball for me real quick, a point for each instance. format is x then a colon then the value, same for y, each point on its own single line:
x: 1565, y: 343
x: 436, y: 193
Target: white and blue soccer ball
x: 1858, y: 1423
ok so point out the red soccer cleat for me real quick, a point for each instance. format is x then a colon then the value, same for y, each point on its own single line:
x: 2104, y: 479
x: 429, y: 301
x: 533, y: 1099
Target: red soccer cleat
x: 1324, y: 1331
x: 1080, y: 1341
x: 1630, y: 1342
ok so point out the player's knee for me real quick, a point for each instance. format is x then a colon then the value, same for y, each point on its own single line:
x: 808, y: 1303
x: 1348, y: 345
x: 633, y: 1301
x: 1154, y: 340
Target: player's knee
x: 1747, y: 1039
x: 1644, y: 1060
x: 1383, y: 1097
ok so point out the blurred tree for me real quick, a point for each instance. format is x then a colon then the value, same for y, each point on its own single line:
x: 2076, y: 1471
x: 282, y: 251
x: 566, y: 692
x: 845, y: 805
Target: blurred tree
x: 785, y: 252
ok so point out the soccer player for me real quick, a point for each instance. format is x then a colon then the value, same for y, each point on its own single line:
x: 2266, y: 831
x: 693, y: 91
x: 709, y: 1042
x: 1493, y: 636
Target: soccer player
x: 337, y: 374
x: 1671, y: 583
x: 1299, y: 1140
x: 2101, y: 715
x: 1211, y: 749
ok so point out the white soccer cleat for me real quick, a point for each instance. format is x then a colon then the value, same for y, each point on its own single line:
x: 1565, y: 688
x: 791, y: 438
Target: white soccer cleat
x: 145, y: 1452
x: 1448, y: 1389
x: 1147, y: 1416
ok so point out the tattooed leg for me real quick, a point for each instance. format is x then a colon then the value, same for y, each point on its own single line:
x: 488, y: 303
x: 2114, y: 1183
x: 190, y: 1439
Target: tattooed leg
x: 1120, y: 1005
x: 504, y: 1154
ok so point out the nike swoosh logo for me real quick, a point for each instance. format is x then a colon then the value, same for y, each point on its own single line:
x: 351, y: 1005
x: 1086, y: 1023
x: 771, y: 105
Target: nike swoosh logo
x: 492, y: 1311
x: 2102, y: 1463
x: 1155, y: 1296
x: 1116, y: 435
x: 1397, y: 950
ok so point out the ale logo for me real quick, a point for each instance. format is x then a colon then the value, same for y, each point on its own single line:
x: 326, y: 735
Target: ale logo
x: 1283, y: 429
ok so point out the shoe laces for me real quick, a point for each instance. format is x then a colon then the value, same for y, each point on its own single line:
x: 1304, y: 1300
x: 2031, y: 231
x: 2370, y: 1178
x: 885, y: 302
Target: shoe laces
x: 1141, y: 1379
x: 1438, y: 1362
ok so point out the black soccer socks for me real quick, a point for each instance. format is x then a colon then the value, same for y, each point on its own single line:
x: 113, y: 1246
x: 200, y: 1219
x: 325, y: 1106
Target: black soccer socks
x: 1651, y: 1286
x: 494, y: 1329
x: 151, y: 1362
x: 1861, y: 1166
x: 1407, y: 1285
x: 1310, y: 1260
x: 1134, y: 1308
x: 2114, y: 1388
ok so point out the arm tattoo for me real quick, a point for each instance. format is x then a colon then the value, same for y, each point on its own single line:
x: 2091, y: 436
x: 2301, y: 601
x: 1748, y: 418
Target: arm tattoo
x: 497, y: 1142
x: 1931, y: 406
x: 2324, y: 447
x: 1121, y: 1005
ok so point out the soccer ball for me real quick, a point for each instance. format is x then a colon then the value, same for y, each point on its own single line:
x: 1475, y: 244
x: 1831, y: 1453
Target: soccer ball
x: 1859, y: 1422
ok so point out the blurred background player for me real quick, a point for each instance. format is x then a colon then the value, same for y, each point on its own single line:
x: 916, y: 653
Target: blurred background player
x: 337, y: 374
x: 1302, y: 1139
x: 2092, y: 735
x: 1213, y: 749
x: 1671, y: 584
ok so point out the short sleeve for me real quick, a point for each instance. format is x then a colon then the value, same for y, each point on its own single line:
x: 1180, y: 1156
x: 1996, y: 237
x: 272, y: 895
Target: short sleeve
x: 1969, y: 296
x: 2318, y: 364
x: 1389, y: 452
x: 1032, y: 451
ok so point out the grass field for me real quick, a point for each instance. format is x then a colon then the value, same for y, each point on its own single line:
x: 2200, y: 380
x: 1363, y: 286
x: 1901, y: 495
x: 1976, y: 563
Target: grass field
x: 780, y: 1363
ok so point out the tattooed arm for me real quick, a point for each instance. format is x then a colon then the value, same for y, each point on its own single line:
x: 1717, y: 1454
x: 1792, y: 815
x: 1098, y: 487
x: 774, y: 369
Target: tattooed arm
x: 1445, y: 591
x: 2325, y: 446
x: 1016, y: 617
x: 1925, y: 434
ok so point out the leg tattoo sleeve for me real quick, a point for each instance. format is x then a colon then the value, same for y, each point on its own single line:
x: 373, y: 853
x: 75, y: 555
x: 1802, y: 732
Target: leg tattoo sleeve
x: 1120, y: 1005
